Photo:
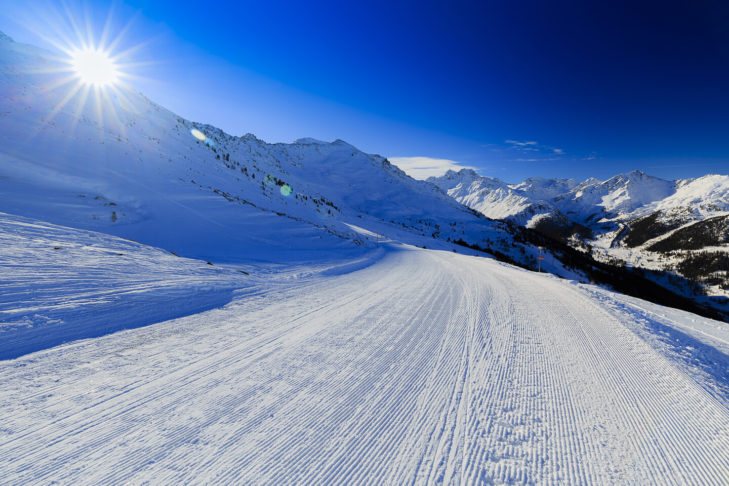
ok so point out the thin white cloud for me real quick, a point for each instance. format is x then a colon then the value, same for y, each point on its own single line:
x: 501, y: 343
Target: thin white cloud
x: 533, y: 147
x: 517, y: 143
x: 535, y: 159
x: 424, y: 167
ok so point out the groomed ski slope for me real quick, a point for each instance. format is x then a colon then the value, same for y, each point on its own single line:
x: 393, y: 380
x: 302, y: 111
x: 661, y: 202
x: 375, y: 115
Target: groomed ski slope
x: 424, y: 367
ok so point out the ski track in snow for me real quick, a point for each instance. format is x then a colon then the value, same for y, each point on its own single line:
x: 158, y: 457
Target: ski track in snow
x: 426, y: 367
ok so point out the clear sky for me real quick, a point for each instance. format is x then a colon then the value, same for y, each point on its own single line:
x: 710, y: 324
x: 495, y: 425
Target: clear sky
x: 512, y: 88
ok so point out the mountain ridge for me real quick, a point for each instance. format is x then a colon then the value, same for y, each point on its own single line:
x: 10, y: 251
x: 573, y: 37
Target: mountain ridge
x: 628, y: 216
x: 134, y: 169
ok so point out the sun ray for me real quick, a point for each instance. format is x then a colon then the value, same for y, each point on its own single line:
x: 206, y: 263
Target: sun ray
x: 88, y: 76
x: 119, y: 37
x: 114, y: 118
x: 78, y: 31
x: 60, y: 81
x: 98, y: 107
x: 131, y: 50
x: 105, y: 31
x: 59, y: 106
x: 60, y: 41
x: 123, y: 103
x: 80, y: 104
x: 89, y: 28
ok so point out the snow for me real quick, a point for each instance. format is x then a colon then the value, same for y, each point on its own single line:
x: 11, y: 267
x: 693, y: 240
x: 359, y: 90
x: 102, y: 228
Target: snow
x: 60, y: 284
x: 619, y: 199
x: 608, y: 208
x: 140, y: 173
x: 541, y: 188
x: 424, y: 366
x: 320, y: 343
x: 495, y: 198
x: 707, y: 196
x: 622, y: 193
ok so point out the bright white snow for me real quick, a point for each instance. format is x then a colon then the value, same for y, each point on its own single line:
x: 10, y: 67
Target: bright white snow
x: 425, y: 366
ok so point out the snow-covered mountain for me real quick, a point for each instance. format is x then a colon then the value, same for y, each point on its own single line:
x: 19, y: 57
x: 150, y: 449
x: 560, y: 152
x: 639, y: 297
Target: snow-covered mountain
x: 691, y: 200
x: 489, y: 196
x: 131, y: 168
x: 593, y: 201
x: 528, y: 204
x: 634, y: 217
x: 541, y: 188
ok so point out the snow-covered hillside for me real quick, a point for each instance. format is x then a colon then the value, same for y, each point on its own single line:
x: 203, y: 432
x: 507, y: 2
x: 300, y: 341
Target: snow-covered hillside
x: 527, y: 204
x: 540, y: 188
x: 704, y: 196
x: 593, y: 201
x: 129, y: 167
x: 60, y: 284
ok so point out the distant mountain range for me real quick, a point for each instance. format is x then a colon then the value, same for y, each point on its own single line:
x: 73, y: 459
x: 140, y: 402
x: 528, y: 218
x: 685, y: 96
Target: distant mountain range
x: 679, y: 226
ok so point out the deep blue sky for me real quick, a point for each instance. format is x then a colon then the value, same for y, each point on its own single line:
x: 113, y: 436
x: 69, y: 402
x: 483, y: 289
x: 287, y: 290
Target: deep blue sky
x: 549, y: 88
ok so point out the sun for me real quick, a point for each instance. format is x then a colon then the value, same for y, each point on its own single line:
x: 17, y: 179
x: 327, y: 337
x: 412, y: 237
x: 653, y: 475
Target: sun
x: 94, y: 67
x: 91, y: 67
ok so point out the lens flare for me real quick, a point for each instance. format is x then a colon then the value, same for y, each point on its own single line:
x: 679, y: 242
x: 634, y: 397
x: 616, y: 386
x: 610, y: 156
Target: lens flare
x: 198, y: 134
x: 286, y: 190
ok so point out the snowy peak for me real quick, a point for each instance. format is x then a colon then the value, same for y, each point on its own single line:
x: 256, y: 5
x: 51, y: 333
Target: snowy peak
x: 313, y: 141
x: 309, y: 141
x: 540, y: 188
x: 626, y: 203
x: 462, y: 174
x: 481, y: 193
x: 704, y: 196
x: 466, y: 178
x: 452, y: 178
x: 500, y: 200
x: 617, y: 197
x: 639, y: 180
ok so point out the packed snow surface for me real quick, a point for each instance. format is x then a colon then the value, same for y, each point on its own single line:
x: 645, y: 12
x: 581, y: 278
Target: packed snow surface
x: 420, y: 366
